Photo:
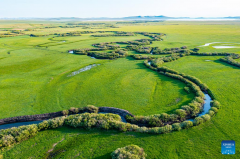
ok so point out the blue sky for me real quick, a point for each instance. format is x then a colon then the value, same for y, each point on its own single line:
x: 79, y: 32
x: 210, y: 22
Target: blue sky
x: 118, y: 8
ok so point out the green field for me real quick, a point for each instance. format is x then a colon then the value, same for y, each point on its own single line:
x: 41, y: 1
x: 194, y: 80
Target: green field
x: 34, y: 80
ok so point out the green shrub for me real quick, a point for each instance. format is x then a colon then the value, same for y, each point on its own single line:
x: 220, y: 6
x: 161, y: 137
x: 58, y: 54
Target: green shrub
x: 181, y: 113
x: 122, y: 126
x: 176, y: 127
x: 154, y: 130
x: 199, y: 100
x: 133, y: 127
x: 103, y: 55
x: 157, y: 62
x: 150, y: 121
x: 164, y: 117
x: 216, y: 104
x: 173, y: 117
x: 186, y: 124
x: 195, y: 108
x: 88, y: 121
x: 65, y: 112
x: 214, y: 109
x: 7, y: 140
x: 103, y: 124
x: 211, y: 113
x: 231, y: 61
x: 13, y: 135
x: 129, y: 152
x: 56, y: 122
x: 206, y: 117
x: 187, y: 108
x: 141, y: 57
x: 165, y: 129
x: 155, y: 122
x: 142, y: 129
x: 88, y: 109
x: 92, y: 109
x: 43, y: 125
x: 197, y: 81
x: 74, y: 110
x: 197, y: 121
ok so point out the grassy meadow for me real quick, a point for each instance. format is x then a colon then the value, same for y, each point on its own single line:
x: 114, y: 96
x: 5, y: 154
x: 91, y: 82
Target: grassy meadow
x: 34, y: 79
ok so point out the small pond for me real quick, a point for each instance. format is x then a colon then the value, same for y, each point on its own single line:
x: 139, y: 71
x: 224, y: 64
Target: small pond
x: 223, y: 46
x: 83, y: 69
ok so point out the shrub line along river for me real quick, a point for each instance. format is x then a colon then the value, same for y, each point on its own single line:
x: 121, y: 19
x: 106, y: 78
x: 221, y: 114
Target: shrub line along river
x: 206, y: 108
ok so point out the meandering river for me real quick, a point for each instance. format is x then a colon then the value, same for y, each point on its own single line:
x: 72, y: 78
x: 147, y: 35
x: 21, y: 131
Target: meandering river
x: 206, y: 108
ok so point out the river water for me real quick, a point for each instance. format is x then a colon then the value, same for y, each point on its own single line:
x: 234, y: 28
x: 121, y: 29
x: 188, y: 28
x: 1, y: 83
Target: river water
x: 206, y: 106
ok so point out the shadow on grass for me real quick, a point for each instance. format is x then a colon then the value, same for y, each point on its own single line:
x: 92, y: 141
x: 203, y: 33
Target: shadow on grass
x: 226, y: 64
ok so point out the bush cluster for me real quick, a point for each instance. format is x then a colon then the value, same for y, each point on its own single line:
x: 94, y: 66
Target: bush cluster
x: 157, y: 62
x: 182, y: 50
x: 231, y: 61
x: 148, y: 121
x: 117, y: 33
x: 170, y: 58
x: 203, y: 86
x: 67, y: 26
x: 216, y: 54
x: 132, y: 45
x: 14, y: 135
x: 154, y: 36
x: 11, y: 33
x: 107, y: 45
x: 136, y: 42
x: 110, y: 121
x: 103, y: 55
x: 87, y: 109
x: 157, y: 124
x: 76, y: 33
x: 85, y: 23
x: 35, y: 35
x: 140, y: 49
x: 206, y: 117
x: 215, y: 104
x: 141, y: 57
x: 87, y: 50
x: 129, y: 152
x: 121, y: 52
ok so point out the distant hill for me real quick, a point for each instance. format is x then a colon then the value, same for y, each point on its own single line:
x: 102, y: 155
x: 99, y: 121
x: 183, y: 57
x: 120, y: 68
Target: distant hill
x: 148, y: 17
x: 238, y: 17
x: 160, y: 17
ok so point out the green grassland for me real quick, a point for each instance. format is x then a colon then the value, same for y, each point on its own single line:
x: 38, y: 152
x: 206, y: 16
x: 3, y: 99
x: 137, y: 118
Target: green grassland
x: 34, y: 80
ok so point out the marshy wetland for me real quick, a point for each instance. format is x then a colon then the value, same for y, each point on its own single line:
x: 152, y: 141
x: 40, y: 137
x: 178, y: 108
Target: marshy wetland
x: 159, y: 73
